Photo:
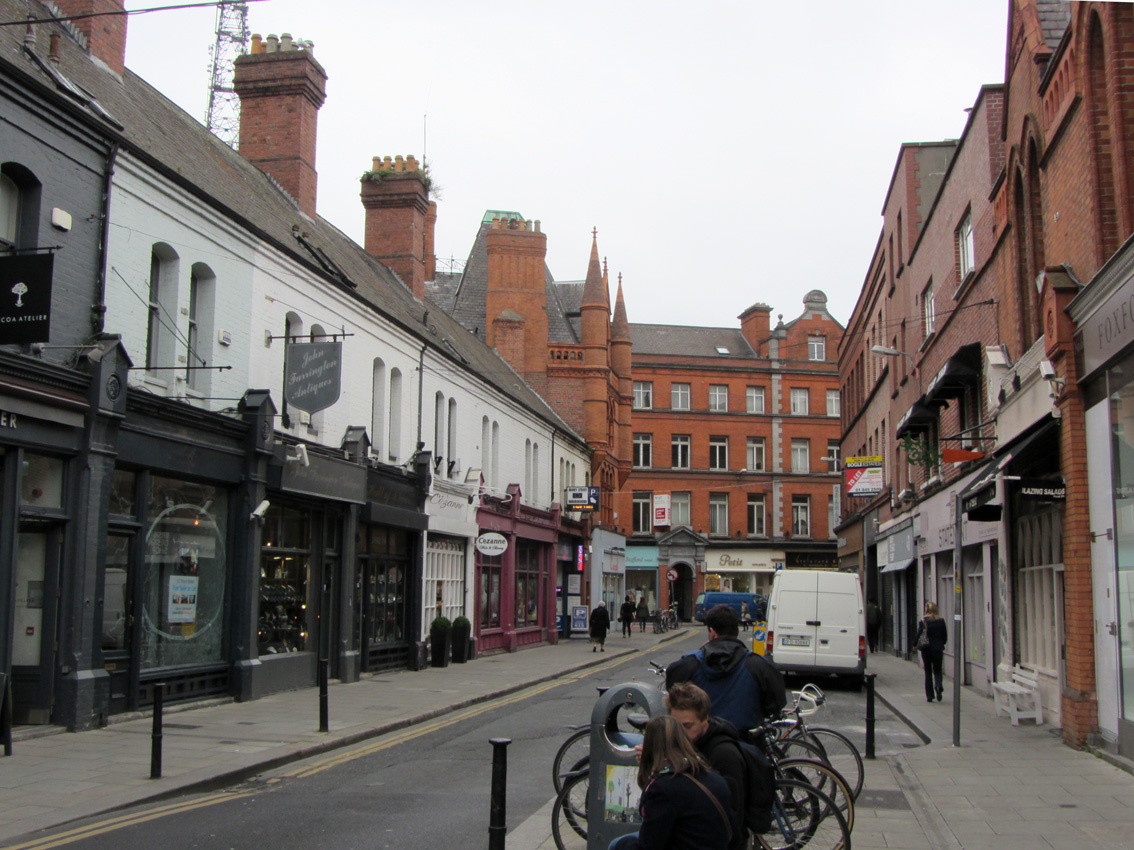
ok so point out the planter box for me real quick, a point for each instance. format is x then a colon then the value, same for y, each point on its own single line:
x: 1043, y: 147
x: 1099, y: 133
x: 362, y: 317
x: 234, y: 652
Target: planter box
x: 462, y: 645
x: 440, y: 647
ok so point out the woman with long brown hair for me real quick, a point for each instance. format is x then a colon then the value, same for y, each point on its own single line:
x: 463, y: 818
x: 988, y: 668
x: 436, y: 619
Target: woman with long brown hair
x: 932, y: 649
x: 685, y: 805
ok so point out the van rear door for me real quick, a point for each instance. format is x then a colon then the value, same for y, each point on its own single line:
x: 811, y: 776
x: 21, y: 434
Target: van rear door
x: 837, y: 611
x: 795, y: 618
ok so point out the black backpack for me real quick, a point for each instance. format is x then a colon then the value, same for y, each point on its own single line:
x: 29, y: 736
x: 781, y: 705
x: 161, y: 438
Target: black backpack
x: 759, y: 788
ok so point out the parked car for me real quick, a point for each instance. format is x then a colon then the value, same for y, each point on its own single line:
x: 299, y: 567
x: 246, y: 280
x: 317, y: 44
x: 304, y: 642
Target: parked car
x: 757, y: 604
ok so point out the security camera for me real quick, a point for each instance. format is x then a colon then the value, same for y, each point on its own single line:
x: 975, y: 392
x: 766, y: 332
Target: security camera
x: 1047, y: 370
x: 261, y: 509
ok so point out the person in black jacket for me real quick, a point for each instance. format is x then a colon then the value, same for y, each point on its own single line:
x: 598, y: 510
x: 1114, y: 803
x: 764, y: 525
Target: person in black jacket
x: 685, y: 805
x: 626, y: 615
x: 932, y: 656
x: 643, y: 612
x: 715, y: 739
x: 600, y: 625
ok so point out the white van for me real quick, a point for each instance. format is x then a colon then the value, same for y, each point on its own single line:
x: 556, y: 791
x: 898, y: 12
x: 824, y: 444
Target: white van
x: 817, y: 624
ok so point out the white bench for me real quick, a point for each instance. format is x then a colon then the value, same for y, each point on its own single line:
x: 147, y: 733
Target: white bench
x: 1020, y: 697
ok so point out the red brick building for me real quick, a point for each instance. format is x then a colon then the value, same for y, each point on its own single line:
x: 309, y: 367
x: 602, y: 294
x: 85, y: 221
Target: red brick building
x: 735, y: 450
x: 1002, y: 290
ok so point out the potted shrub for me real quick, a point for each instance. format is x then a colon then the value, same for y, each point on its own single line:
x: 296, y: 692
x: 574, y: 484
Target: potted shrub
x: 440, y: 641
x: 462, y: 632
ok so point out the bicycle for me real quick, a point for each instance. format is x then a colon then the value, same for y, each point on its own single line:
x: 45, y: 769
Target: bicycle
x: 837, y: 749
x: 669, y: 618
x: 569, y: 813
x: 803, y: 816
x: 661, y: 625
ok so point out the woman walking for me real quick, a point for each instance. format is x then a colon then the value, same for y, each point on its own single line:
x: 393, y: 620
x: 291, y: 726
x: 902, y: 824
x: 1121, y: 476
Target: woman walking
x: 932, y: 649
x: 600, y: 625
x: 626, y: 615
x: 685, y: 805
x: 643, y: 613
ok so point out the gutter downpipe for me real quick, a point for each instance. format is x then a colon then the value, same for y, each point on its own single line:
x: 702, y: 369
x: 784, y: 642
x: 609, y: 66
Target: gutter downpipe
x: 98, y: 310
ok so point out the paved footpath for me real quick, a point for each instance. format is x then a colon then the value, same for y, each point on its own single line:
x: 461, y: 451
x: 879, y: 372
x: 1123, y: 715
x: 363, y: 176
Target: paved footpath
x: 1003, y: 788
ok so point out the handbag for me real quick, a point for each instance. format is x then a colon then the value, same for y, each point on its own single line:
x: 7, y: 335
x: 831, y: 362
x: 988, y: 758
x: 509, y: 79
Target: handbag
x: 923, y: 636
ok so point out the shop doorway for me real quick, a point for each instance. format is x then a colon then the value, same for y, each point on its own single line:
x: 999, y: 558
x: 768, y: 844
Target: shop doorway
x: 383, y: 598
x: 38, y: 560
x: 118, y: 620
x: 681, y: 591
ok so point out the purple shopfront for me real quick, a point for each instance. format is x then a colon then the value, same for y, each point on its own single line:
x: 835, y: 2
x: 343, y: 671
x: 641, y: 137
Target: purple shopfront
x: 515, y: 574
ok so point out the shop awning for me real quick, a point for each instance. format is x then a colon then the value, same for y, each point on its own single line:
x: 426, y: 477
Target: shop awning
x: 897, y: 565
x: 920, y: 417
x: 960, y: 372
x: 979, y: 492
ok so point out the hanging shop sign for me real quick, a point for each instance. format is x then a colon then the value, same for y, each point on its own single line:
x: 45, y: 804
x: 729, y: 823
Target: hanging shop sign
x: 1042, y: 490
x: 25, y: 298
x: 864, y: 476
x: 492, y: 543
x: 313, y: 375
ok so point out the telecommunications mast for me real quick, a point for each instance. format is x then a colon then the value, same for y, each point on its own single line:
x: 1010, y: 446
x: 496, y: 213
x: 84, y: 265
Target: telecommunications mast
x: 223, y: 118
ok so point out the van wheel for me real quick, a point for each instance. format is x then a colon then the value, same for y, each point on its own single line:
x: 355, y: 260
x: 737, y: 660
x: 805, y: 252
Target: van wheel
x: 853, y: 683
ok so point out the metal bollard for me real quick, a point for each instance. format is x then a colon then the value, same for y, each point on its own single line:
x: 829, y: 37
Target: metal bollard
x: 324, y: 708
x: 870, y: 715
x: 6, y: 714
x: 155, y: 738
x: 496, y: 827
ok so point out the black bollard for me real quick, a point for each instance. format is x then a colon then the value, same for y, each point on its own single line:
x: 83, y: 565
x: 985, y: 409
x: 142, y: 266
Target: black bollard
x: 324, y: 708
x: 155, y: 738
x: 496, y: 827
x: 870, y: 715
x: 6, y: 713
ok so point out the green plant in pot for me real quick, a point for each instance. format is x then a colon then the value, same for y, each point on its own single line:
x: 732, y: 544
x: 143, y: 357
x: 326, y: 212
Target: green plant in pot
x: 440, y: 641
x: 462, y: 639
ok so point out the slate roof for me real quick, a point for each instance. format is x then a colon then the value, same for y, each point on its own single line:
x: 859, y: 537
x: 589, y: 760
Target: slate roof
x: 689, y: 341
x: 466, y: 301
x: 158, y: 132
x: 1054, y: 17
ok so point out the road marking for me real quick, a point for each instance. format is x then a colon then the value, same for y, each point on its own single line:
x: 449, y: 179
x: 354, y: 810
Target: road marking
x: 104, y: 826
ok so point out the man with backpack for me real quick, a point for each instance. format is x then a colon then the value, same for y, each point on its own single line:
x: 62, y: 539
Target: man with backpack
x: 745, y: 688
x: 749, y: 776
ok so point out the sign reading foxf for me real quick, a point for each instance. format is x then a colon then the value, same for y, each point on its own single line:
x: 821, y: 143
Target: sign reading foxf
x: 25, y: 298
x: 864, y: 475
x: 313, y: 373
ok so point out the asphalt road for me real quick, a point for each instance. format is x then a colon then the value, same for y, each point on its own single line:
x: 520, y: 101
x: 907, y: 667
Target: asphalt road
x: 423, y: 787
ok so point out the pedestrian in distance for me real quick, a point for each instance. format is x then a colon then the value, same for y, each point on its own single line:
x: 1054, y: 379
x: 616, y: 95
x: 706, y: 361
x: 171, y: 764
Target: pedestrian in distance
x: 600, y: 625
x: 643, y: 613
x: 932, y: 652
x: 685, y: 805
x: 873, y: 624
x: 745, y: 688
x: 745, y: 616
x: 626, y: 615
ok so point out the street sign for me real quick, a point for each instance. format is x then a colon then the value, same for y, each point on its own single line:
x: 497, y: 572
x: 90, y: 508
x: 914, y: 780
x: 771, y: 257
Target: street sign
x: 581, y: 498
x: 671, y: 574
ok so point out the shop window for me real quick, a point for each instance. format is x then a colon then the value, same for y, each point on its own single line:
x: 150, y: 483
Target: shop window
x: 383, y: 566
x: 185, y: 573
x: 445, y: 576
x: 41, y: 482
x: 490, y: 568
x: 528, y: 559
x: 285, y: 564
x: 115, y: 605
x: 121, y: 497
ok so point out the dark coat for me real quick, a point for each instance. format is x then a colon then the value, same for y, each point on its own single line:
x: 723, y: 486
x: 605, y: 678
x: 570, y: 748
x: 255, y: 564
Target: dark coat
x: 938, y: 636
x: 600, y: 622
x: 626, y: 613
x: 643, y: 609
x: 720, y: 745
x: 677, y: 815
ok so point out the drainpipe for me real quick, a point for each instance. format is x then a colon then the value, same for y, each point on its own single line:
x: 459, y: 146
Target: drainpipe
x: 98, y: 309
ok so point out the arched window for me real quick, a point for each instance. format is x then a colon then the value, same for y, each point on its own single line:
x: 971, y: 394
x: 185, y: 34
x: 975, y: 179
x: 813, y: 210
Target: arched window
x: 9, y: 210
x: 19, y: 207
x: 527, y: 468
x: 395, y: 415
x: 485, y: 450
x: 495, y: 453
x: 201, y: 333
x: 439, y: 452
x: 451, y: 440
x: 161, y: 320
x: 378, y: 408
x: 535, y: 473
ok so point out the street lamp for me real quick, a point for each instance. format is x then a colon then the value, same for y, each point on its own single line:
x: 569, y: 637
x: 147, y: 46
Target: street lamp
x: 894, y: 352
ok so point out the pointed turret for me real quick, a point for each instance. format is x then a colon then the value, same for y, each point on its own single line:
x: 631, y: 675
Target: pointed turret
x: 620, y: 360
x: 595, y: 318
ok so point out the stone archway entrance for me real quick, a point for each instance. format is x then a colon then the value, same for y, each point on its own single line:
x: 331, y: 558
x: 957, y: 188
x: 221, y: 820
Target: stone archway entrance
x: 681, y: 591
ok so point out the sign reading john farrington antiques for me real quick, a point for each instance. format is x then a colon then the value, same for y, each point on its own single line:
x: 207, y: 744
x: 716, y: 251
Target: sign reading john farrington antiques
x: 25, y: 298
x: 313, y: 373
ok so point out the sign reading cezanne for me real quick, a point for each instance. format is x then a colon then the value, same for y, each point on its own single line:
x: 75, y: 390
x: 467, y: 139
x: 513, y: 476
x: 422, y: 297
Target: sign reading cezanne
x: 313, y: 375
x: 864, y: 476
x: 25, y: 298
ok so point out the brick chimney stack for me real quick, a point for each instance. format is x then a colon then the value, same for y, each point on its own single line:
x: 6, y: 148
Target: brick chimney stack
x: 281, y: 88
x: 517, y: 282
x: 106, y: 34
x: 756, y: 324
x: 395, y: 193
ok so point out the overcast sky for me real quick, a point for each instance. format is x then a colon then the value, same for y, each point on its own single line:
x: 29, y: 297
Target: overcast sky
x: 727, y: 152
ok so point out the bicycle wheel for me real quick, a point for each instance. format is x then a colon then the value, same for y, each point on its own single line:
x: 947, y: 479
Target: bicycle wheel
x: 823, y: 777
x: 798, y: 820
x: 795, y: 748
x: 841, y: 753
x: 573, y: 754
x: 569, y: 814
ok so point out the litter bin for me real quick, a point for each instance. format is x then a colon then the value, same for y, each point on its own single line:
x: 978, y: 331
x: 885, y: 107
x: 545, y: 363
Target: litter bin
x: 613, y: 795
